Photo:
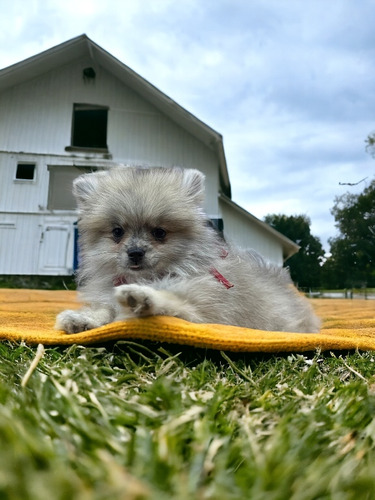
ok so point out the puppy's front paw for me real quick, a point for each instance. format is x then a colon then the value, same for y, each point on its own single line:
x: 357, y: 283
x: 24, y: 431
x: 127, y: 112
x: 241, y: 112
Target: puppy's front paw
x: 74, y: 321
x: 137, y: 300
x: 84, y: 319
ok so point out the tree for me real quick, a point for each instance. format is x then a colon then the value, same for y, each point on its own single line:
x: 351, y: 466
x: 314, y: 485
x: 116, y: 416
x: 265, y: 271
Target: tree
x: 305, y: 266
x: 353, y: 251
x: 370, y: 144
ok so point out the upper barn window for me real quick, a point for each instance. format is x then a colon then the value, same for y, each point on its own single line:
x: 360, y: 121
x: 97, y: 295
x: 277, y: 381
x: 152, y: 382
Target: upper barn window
x: 89, y: 128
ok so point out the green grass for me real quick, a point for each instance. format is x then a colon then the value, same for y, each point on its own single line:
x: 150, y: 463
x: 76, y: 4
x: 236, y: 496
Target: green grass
x: 37, y: 282
x: 144, y: 421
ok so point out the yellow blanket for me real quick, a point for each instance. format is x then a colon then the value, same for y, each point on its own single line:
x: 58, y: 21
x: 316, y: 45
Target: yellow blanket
x: 29, y: 315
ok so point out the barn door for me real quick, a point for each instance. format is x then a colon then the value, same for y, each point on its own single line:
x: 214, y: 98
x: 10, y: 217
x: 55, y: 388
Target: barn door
x: 55, y: 249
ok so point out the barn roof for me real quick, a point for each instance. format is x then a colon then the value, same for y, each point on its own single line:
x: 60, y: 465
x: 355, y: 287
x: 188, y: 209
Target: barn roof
x: 82, y: 46
x: 288, y: 246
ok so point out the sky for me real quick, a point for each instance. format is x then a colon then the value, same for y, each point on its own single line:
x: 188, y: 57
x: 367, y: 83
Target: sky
x: 289, y: 84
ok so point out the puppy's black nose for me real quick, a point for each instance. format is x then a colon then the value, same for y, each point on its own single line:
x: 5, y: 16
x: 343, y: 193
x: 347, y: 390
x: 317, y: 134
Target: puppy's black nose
x: 136, y: 255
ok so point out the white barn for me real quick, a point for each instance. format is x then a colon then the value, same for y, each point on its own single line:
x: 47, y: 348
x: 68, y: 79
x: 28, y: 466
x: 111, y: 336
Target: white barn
x: 75, y: 108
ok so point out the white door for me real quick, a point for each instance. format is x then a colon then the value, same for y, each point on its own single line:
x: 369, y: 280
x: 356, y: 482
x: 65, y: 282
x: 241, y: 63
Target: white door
x: 55, y: 249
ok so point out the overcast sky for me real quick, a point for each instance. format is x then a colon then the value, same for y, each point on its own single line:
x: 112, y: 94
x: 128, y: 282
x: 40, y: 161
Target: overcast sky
x: 290, y: 84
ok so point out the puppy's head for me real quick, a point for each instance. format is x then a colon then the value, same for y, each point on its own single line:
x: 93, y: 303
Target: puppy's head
x: 140, y: 223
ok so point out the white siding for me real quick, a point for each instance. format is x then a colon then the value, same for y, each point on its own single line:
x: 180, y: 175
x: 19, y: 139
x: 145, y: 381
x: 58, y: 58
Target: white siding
x: 240, y: 230
x: 22, y: 196
x: 23, y: 242
x: 18, y: 245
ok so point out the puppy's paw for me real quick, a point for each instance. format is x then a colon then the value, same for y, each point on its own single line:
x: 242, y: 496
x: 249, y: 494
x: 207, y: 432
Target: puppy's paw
x: 84, y: 319
x: 74, y: 322
x: 136, y: 300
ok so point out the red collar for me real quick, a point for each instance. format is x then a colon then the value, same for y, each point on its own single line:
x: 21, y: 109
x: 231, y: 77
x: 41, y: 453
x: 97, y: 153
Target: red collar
x: 119, y: 280
x: 215, y: 273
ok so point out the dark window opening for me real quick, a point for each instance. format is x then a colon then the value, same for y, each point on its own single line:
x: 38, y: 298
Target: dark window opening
x: 25, y: 171
x: 89, y: 126
x: 217, y: 225
x: 89, y: 74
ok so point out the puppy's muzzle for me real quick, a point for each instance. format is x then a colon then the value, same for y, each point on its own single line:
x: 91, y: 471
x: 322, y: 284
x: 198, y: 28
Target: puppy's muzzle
x: 136, y: 255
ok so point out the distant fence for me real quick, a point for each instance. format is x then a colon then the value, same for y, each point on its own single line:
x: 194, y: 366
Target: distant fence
x: 347, y: 293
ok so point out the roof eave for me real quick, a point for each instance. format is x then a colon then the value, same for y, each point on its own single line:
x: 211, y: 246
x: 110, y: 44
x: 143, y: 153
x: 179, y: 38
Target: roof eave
x: 38, y: 64
x: 289, y: 247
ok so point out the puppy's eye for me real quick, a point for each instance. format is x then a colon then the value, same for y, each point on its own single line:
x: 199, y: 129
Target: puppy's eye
x: 158, y: 233
x: 117, y: 234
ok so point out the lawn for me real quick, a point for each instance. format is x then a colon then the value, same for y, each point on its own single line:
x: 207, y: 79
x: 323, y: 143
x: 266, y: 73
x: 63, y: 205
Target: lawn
x: 149, y: 421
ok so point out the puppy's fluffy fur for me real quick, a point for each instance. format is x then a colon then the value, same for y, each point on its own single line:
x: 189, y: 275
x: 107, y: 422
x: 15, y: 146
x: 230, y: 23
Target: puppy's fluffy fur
x: 146, y: 249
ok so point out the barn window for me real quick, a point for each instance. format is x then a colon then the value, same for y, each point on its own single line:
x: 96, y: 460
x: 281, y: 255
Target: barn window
x: 25, y: 171
x: 89, y: 128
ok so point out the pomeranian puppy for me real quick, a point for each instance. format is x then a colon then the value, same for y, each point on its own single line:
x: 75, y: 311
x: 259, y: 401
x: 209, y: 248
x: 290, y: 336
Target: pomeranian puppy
x: 146, y: 248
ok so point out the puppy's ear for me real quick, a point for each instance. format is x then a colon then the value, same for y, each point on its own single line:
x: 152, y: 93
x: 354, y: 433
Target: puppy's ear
x: 85, y: 186
x: 193, y: 182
